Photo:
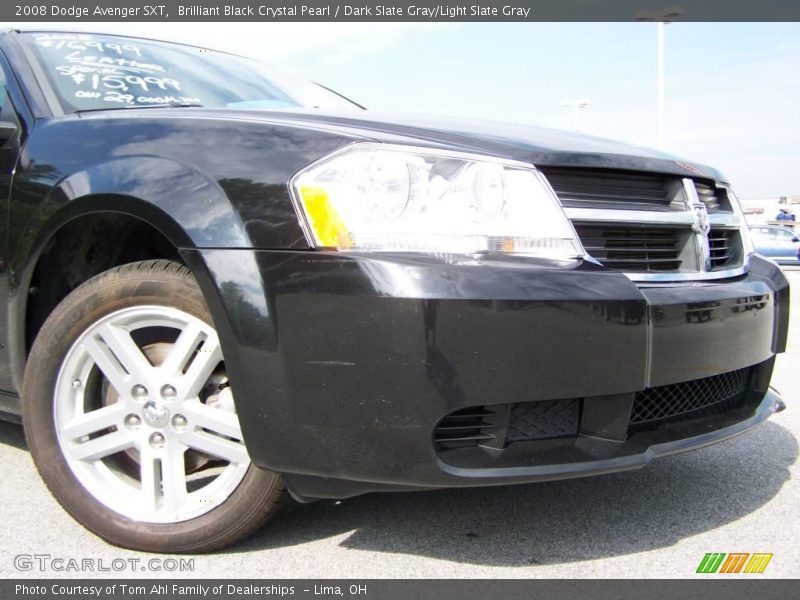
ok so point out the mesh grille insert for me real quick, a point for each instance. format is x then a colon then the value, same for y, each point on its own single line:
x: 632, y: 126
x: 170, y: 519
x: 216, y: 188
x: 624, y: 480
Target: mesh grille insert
x: 545, y: 419
x: 677, y: 399
x: 501, y: 424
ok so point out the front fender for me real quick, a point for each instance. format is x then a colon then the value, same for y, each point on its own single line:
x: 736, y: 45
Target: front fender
x: 189, y: 209
x: 160, y: 191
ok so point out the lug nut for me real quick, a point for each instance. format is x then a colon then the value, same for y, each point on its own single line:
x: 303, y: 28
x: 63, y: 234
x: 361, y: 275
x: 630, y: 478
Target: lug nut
x: 76, y: 383
x: 168, y: 392
x: 157, y: 440
x: 132, y: 421
x: 179, y: 422
x: 139, y: 392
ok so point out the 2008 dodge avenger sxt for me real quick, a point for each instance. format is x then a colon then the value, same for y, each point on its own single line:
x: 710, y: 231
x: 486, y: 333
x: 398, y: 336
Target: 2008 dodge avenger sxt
x: 226, y: 286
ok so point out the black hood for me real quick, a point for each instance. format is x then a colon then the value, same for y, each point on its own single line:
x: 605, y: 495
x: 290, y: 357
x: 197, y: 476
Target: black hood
x: 537, y: 145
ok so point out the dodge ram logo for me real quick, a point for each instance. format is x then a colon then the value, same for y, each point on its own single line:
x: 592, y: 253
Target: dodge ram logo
x: 701, y: 224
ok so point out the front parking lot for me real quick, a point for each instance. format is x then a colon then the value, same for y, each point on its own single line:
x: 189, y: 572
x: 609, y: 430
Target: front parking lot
x: 738, y: 496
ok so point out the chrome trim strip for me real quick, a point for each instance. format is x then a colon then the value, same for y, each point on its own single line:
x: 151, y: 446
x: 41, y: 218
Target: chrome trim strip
x: 687, y: 276
x: 648, y: 217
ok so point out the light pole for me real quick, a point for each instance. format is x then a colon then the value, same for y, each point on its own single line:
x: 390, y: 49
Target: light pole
x: 578, y: 105
x: 662, y: 18
x: 660, y: 103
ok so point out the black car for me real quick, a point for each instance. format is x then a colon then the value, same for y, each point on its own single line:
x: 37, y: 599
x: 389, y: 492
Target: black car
x: 223, y: 287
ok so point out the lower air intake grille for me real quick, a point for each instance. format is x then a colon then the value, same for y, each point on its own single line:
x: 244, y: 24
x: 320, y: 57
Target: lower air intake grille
x: 632, y: 248
x: 677, y: 399
x: 545, y: 419
x: 466, y: 427
x: 501, y: 424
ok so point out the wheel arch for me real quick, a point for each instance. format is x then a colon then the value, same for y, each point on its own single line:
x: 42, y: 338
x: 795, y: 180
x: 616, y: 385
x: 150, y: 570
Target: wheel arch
x: 178, y: 208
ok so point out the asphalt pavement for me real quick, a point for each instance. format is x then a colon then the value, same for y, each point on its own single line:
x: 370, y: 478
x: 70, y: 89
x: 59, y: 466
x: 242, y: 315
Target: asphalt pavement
x: 738, y: 496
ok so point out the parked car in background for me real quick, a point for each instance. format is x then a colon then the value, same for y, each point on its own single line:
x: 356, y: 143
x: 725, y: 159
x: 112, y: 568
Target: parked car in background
x: 221, y: 288
x: 781, y: 244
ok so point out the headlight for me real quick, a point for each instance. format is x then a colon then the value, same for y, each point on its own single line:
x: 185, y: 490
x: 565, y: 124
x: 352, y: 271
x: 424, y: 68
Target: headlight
x: 377, y: 197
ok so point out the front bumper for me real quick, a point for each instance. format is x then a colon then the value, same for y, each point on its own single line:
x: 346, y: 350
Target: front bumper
x: 342, y: 366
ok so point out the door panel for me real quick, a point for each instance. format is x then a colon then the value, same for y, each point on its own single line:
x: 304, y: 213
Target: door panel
x: 9, y: 155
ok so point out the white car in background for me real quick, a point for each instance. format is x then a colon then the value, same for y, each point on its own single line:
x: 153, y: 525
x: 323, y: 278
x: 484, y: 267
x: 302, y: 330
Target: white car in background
x: 777, y: 242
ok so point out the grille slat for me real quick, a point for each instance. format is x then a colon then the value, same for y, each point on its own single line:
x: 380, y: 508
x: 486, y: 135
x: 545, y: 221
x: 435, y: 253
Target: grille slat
x: 464, y: 427
x: 604, y: 249
x: 465, y: 438
x: 650, y: 261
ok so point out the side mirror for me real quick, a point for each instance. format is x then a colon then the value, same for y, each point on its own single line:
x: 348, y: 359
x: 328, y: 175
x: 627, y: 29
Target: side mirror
x: 7, y: 129
x: 796, y: 239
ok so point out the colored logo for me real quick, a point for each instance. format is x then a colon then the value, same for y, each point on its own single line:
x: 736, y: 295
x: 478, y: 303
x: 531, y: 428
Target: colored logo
x: 686, y: 166
x: 735, y: 562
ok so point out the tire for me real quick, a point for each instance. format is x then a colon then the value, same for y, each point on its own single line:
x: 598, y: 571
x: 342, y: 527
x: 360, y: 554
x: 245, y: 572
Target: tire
x: 145, y: 452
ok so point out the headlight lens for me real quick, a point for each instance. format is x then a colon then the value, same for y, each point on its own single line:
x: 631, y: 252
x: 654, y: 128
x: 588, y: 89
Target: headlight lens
x: 376, y: 197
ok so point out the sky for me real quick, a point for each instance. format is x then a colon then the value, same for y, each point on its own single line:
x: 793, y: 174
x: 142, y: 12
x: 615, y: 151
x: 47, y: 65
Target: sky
x: 732, y: 89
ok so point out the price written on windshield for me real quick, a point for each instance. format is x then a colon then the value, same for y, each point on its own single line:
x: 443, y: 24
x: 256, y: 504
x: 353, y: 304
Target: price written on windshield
x: 110, y: 71
x: 127, y: 82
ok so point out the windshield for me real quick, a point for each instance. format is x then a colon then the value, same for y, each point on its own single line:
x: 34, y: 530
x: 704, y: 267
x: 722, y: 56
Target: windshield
x: 96, y: 72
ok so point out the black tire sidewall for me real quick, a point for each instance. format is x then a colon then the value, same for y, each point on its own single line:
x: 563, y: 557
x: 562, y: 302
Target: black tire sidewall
x: 108, y: 293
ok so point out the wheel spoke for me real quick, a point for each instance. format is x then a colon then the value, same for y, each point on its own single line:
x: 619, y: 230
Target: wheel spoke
x: 118, y: 357
x: 149, y: 473
x: 102, y: 446
x: 214, y: 419
x: 93, y: 421
x: 183, y: 349
x: 211, y: 444
x: 173, y: 477
x: 202, y: 366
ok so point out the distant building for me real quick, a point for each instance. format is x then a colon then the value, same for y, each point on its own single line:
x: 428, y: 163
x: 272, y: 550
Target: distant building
x: 759, y: 211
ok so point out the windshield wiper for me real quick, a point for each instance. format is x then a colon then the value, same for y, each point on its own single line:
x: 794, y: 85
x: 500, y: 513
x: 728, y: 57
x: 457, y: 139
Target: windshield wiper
x: 174, y: 104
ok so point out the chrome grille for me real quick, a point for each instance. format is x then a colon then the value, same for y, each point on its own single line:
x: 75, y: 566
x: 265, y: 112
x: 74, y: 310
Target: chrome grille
x: 610, y: 189
x: 721, y: 249
x: 652, y: 226
x: 632, y: 248
x: 709, y: 195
